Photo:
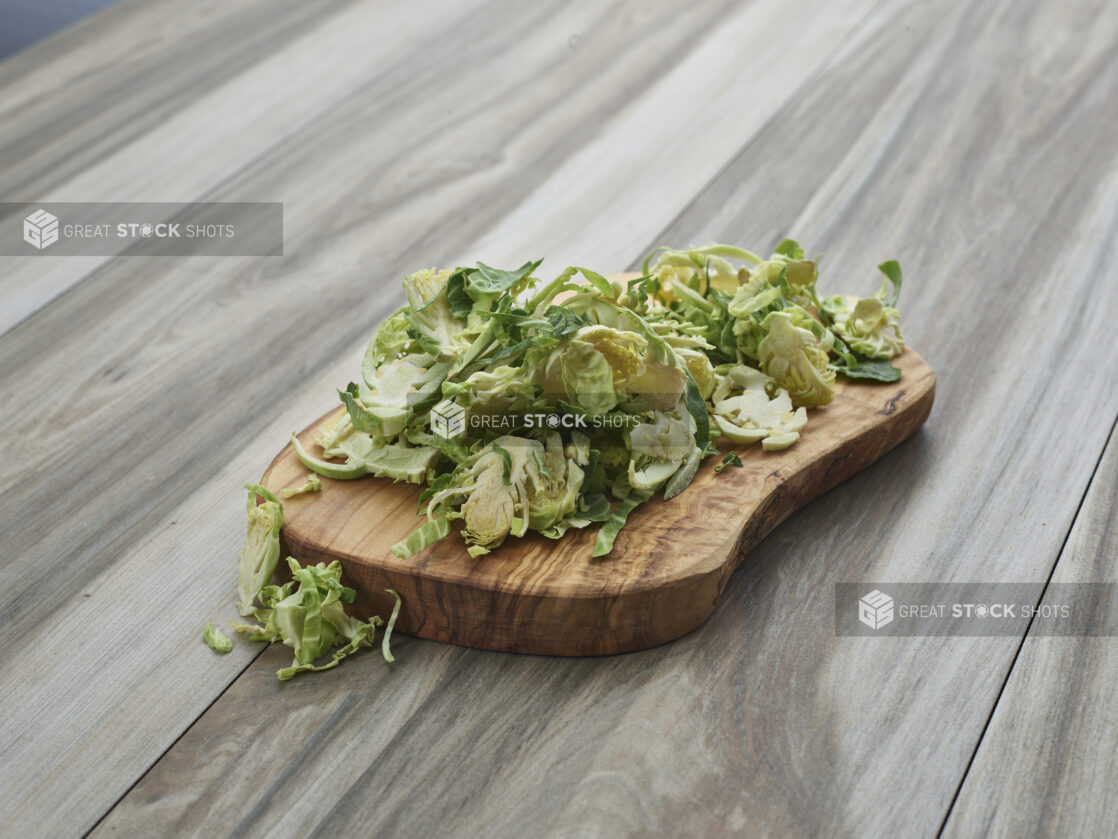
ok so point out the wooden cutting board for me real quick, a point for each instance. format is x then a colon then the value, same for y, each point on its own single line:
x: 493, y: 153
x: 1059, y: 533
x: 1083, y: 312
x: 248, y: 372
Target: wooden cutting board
x: 668, y: 566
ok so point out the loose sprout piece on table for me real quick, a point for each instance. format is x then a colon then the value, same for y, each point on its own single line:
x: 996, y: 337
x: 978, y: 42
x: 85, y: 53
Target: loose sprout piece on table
x: 306, y: 613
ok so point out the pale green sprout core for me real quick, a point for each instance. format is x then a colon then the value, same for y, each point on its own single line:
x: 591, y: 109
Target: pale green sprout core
x: 261, y: 549
x: 870, y: 327
x: 797, y: 359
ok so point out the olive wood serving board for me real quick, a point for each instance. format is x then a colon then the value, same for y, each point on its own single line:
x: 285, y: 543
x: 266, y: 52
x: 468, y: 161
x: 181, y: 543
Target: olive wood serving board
x: 668, y: 566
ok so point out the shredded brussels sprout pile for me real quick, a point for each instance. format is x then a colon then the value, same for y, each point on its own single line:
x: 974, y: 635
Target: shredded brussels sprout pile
x: 525, y: 404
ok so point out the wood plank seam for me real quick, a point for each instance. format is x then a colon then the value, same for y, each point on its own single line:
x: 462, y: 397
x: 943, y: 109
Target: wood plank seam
x: 171, y: 745
x: 1025, y: 636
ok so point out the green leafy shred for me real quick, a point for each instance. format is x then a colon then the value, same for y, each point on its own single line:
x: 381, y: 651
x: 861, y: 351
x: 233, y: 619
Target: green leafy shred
x: 419, y: 539
x: 313, y: 484
x: 506, y: 463
x: 385, y: 649
x: 869, y: 369
x: 607, y: 534
x: 217, y: 640
x: 731, y: 459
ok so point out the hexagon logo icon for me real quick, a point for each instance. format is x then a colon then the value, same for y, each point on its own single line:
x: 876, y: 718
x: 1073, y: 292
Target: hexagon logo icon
x: 448, y: 419
x: 40, y: 229
x: 875, y: 609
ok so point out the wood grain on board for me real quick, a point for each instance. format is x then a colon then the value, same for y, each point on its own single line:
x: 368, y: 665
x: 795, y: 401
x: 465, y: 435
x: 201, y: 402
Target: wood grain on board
x: 161, y: 385
x: 666, y: 571
x: 962, y: 139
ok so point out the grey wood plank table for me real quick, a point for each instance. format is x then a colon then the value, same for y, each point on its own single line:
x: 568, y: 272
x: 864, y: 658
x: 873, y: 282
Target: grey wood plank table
x: 975, y: 142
